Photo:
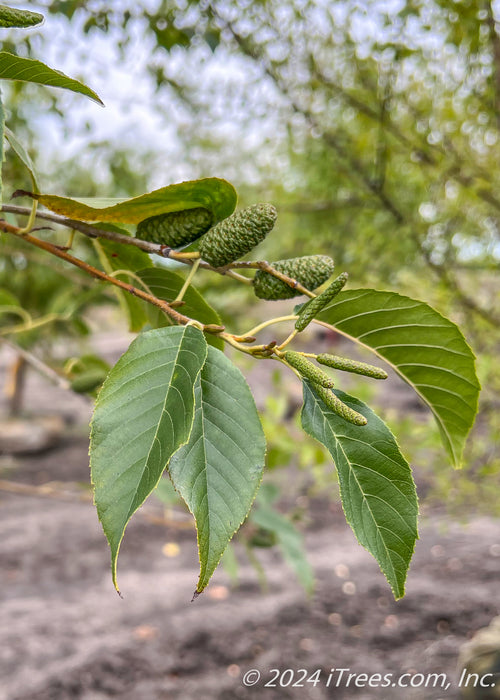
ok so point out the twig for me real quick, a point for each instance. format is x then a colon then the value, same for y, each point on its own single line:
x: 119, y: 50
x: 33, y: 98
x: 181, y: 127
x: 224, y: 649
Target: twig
x: 51, y: 489
x: 270, y: 322
x: 86, y: 229
x: 177, y: 317
x: 155, y: 248
x: 266, y: 267
x: 38, y: 364
x: 188, y: 280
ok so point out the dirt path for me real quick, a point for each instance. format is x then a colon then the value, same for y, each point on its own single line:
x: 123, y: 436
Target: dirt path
x: 64, y: 633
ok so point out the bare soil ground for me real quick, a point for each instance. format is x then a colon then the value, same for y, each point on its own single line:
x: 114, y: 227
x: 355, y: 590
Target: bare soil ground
x: 64, y: 633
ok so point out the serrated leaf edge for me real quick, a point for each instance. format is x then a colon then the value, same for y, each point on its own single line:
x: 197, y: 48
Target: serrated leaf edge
x: 397, y: 594
x: 457, y: 458
x: 114, y: 559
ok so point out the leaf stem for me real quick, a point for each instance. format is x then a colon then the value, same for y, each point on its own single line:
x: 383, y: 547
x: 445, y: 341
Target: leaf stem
x: 270, y: 322
x: 240, y: 278
x: 18, y: 311
x: 189, y: 279
x: 31, y: 324
x: 288, y: 340
x: 228, y: 338
x: 133, y: 276
x: 32, y: 218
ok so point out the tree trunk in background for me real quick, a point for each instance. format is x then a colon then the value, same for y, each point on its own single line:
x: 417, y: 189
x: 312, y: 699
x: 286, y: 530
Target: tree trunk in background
x: 14, y: 386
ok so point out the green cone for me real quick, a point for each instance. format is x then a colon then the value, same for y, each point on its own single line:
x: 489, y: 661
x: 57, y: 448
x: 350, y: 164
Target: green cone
x: 175, y: 228
x: 12, y: 17
x: 235, y: 236
x: 312, y: 308
x: 310, y: 271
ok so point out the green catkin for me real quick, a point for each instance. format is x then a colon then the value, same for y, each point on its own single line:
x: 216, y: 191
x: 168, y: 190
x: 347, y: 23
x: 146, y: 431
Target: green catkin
x: 312, y: 308
x: 339, y: 407
x: 310, y: 271
x: 175, y: 228
x: 234, y: 237
x: 351, y: 366
x: 307, y: 370
x: 12, y: 17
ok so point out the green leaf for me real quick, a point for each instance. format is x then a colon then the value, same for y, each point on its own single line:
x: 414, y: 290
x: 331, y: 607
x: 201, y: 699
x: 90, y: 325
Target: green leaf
x: 12, y: 17
x: 166, y: 285
x: 216, y: 195
x: 143, y: 414
x: 29, y: 70
x: 289, y: 539
x: 376, y: 486
x: 426, y: 349
x: 219, y: 471
x: 116, y: 256
x: 23, y: 156
x: 86, y: 373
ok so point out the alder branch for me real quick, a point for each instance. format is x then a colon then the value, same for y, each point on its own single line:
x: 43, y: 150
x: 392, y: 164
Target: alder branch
x: 155, y: 248
x: 38, y: 364
x: 100, y: 275
x: 266, y: 267
x: 86, y: 229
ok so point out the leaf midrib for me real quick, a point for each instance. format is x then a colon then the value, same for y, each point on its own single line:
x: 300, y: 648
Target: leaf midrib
x: 146, y: 466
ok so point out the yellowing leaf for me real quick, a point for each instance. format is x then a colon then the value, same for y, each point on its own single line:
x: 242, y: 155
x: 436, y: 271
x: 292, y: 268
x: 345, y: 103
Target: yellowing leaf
x: 214, y: 194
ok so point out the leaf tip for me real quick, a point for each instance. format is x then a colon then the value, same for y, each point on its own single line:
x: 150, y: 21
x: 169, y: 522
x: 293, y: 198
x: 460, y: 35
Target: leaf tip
x: 196, y: 594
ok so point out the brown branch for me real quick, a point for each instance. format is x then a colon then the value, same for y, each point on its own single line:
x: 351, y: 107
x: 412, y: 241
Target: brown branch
x: 450, y: 281
x: 86, y: 229
x: 177, y: 317
x: 266, y: 267
x: 324, y: 206
x: 38, y: 364
x: 163, y: 251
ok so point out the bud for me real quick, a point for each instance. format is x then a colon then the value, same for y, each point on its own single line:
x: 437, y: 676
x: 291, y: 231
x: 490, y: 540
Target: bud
x: 310, y: 271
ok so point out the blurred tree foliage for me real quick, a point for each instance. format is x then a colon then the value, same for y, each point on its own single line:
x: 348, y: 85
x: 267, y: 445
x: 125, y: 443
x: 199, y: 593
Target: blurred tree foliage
x: 374, y: 126
x: 380, y: 122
